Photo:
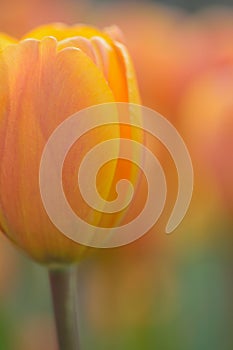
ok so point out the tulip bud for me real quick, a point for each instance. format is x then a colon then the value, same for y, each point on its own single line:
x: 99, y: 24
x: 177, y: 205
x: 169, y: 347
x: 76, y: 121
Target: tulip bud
x: 54, y: 72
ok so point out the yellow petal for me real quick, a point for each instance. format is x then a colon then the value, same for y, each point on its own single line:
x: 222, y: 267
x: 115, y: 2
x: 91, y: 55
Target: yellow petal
x: 5, y: 40
x: 61, y: 31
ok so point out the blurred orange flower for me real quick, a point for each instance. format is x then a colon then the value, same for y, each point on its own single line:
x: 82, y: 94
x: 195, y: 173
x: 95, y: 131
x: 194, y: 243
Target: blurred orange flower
x: 44, y: 80
x: 19, y: 16
x: 207, y: 114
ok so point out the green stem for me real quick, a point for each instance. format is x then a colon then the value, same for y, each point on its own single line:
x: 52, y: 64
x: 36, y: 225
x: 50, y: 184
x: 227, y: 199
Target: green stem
x: 64, y: 294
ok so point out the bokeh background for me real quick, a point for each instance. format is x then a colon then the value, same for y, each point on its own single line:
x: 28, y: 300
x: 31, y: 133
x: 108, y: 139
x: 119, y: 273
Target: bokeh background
x: 161, y: 292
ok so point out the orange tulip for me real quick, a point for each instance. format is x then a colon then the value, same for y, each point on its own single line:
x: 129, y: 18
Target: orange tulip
x: 45, y: 79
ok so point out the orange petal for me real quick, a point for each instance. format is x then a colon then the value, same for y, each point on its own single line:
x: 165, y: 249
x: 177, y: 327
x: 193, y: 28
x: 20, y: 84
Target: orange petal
x: 133, y: 92
x: 105, y: 56
x: 113, y: 68
x: 39, y: 88
x: 116, y: 69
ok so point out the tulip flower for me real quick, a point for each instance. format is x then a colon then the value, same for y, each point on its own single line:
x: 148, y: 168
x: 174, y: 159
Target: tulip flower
x: 52, y: 73
x: 44, y: 80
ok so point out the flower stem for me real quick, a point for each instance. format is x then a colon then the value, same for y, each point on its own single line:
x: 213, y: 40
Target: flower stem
x: 64, y: 294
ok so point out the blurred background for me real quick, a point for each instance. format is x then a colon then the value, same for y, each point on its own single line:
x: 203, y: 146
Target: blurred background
x: 161, y: 292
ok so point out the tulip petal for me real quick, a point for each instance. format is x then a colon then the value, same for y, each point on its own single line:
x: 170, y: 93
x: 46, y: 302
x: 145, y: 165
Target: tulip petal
x: 112, y: 67
x: 5, y: 40
x: 133, y: 93
x: 79, y: 42
x: 61, y: 31
x: 40, y: 87
x: 106, y: 58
